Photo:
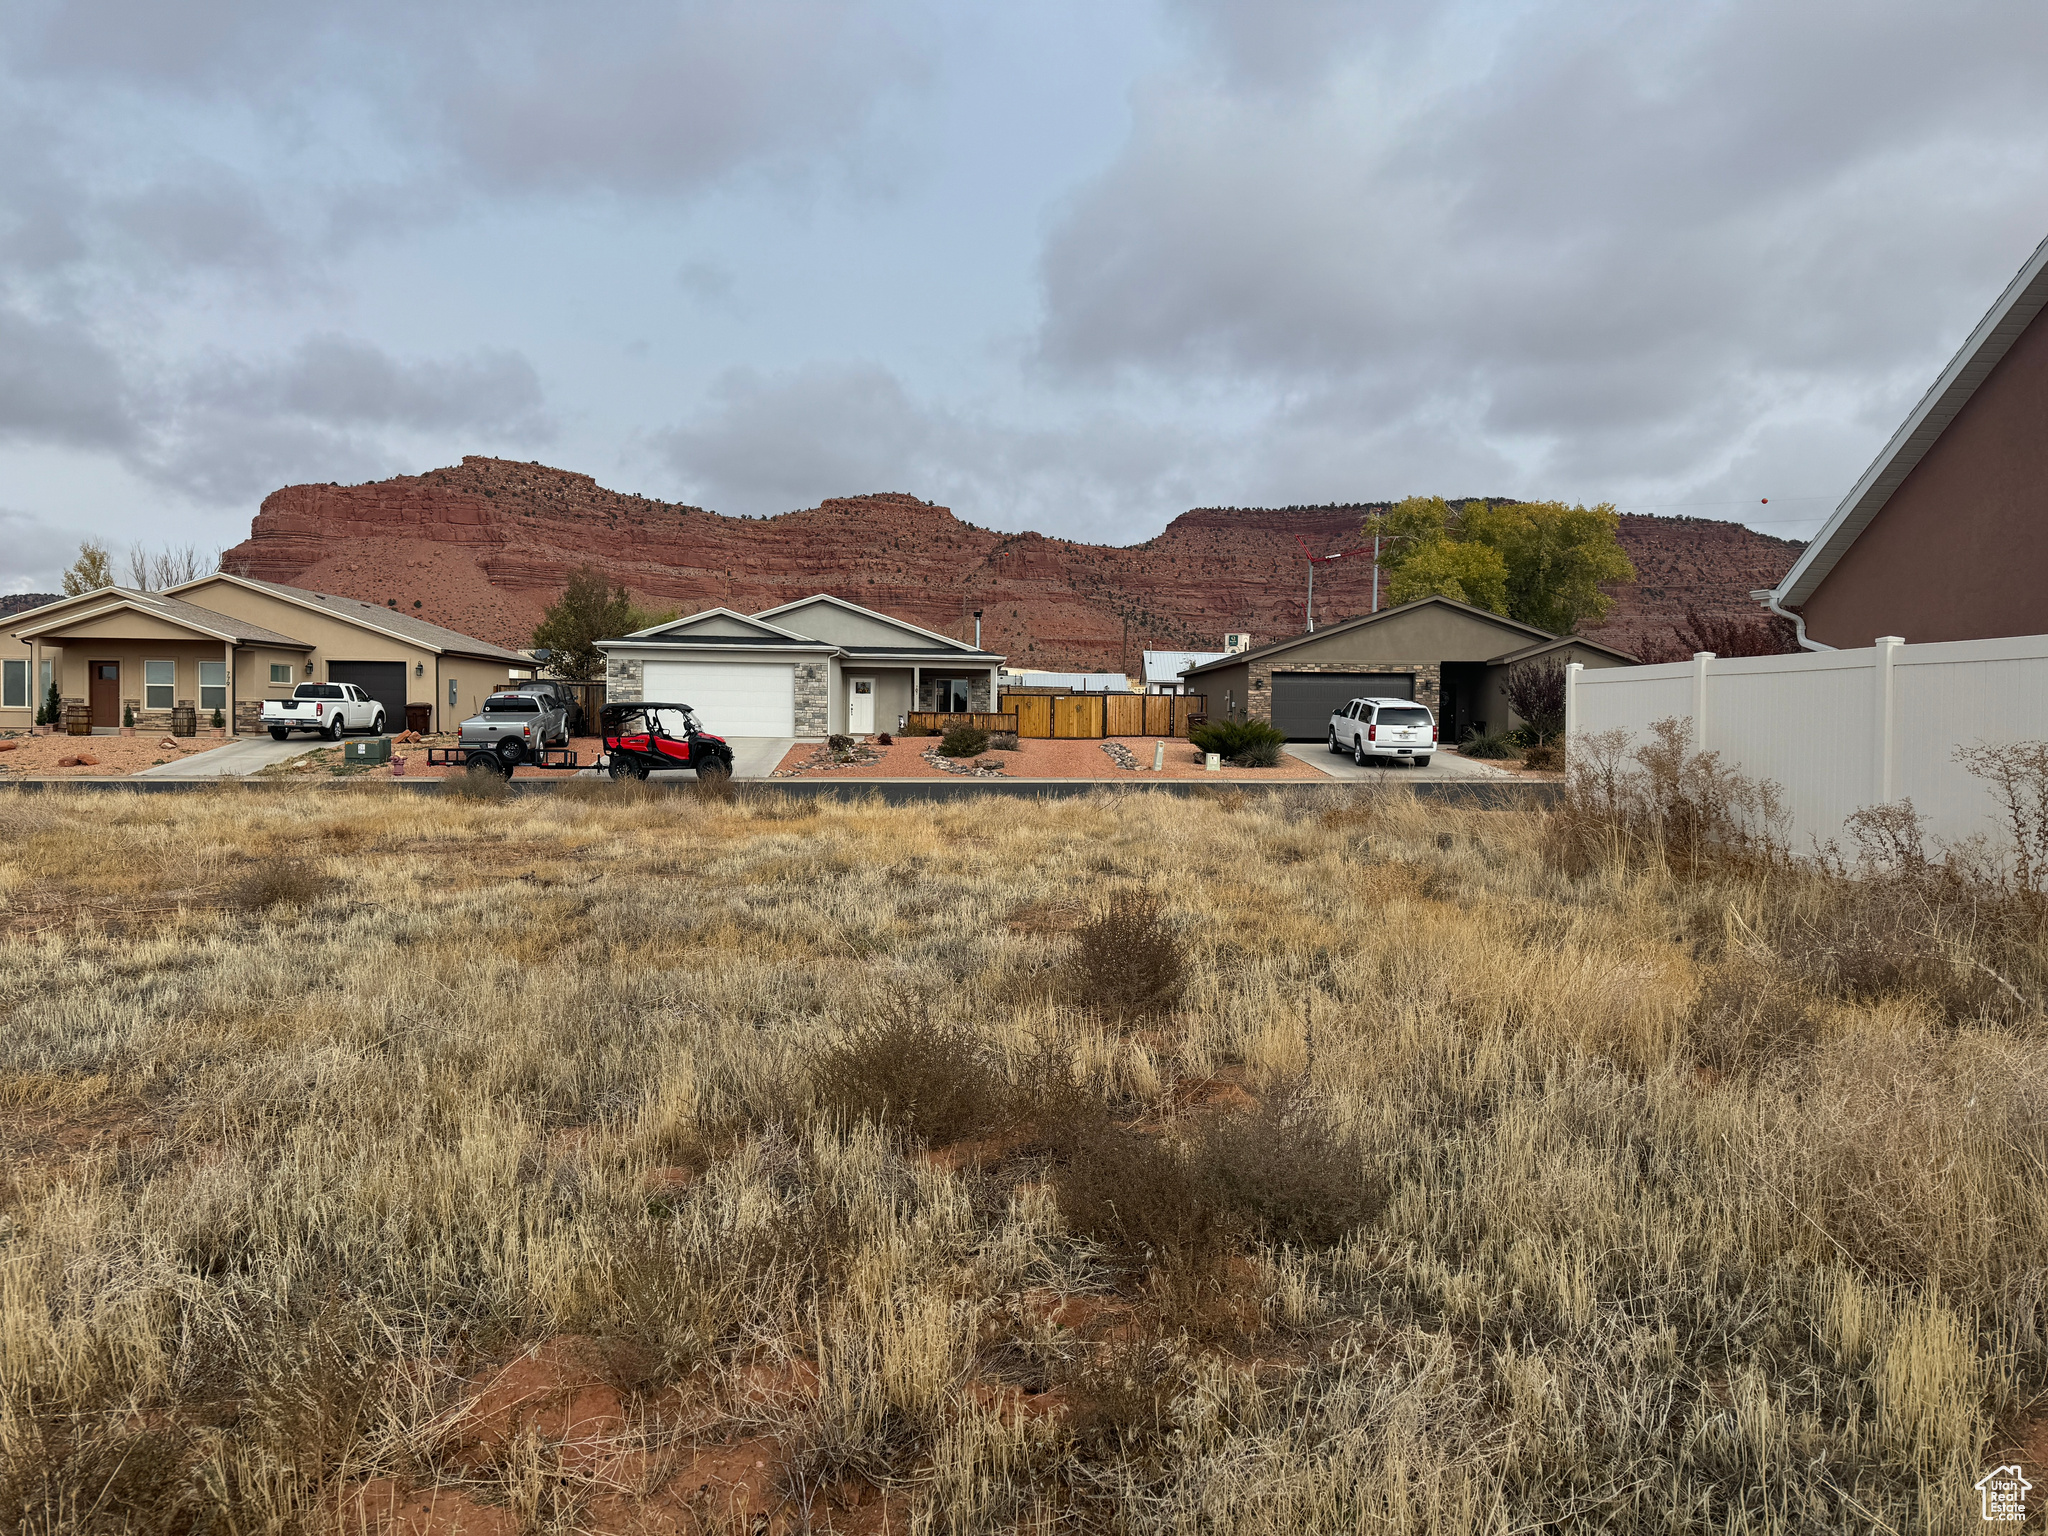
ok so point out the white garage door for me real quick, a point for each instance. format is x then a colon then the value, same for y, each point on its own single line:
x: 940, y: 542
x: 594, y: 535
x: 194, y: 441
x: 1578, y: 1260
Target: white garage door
x: 731, y: 698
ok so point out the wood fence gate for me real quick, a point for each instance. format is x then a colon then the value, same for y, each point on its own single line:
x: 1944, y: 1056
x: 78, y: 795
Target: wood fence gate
x: 1092, y: 716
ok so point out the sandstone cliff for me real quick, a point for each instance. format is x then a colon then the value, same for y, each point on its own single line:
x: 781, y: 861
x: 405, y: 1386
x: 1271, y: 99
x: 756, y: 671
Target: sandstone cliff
x: 483, y: 546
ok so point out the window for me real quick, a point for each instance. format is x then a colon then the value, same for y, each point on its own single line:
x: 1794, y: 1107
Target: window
x: 280, y: 672
x: 511, y: 704
x: 14, y: 685
x: 213, y: 685
x: 159, y: 682
x: 1406, y: 714
x: 317, y: 691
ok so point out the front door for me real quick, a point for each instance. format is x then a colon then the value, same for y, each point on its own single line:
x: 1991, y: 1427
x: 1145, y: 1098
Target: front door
x: 106, y: 692
x: 860, y: 706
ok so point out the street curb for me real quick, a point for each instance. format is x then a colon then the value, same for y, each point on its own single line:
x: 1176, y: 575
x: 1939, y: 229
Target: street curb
x: 1526, y: 795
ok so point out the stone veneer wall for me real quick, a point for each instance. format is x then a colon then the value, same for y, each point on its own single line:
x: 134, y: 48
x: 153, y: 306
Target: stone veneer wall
x: 813, y: 702
x: 1428, y: 677
x: 622, y: 680
x: 249, y: 717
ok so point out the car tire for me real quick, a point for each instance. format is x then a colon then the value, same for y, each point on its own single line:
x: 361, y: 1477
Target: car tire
x: 1358, y: 750
x: 717, y: 771
x: 1421, y: 762
x: 626, y: 770
x: 1334, y: 746
x: 377, y: 725
x: 334, y: 729
x: 511, y: 749
x: 280, y: 732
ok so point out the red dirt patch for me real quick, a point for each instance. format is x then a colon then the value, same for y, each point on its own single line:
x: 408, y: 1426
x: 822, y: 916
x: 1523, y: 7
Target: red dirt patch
x: 1098, y: 1316
x: 905, y: 759
x: 559, y: 1391
x: 382, y: 1507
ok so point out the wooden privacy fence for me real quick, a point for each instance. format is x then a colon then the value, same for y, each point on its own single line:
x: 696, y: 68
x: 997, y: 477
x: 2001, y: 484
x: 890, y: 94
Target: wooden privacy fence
x: 936, y: 720
x: 1091, y: 716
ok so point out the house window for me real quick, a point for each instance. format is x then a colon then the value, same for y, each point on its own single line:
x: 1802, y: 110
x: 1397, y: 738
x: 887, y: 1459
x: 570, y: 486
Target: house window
x: 213, y: 685
x: 159, y: 682
x: 281, y: 674
x: 14, y: 685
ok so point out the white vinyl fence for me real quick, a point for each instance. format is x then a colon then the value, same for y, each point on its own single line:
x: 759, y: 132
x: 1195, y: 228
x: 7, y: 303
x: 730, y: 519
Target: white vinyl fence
x: 1840, y: 730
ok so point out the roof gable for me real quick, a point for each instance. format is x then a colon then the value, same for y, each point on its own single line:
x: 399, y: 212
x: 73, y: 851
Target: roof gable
x: 839, y: 622
x: 93, y: 608
x: 1981, y: 352
x: 716, y: 624
x: 1511, y: 629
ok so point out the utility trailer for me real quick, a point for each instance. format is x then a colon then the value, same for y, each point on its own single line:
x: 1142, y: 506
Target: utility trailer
x: 490, y: 762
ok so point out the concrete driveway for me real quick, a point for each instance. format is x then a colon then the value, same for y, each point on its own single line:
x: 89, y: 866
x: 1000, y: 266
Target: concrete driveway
x: 1442, y: 765
x: 243, y: 755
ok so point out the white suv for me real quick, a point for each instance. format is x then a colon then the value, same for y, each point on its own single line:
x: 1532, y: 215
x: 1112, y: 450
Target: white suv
x: 1399, y: 729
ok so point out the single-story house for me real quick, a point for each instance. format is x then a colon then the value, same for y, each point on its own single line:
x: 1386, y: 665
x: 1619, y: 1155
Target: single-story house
x: 1163, y: 668
x: 814, y: 667
x: 228, y: 643
x: 1945, y: 536
x: 1448, y: 655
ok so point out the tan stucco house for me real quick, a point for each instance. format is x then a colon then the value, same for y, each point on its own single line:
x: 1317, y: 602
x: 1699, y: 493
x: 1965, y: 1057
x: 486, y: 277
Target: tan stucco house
x: 228, y: 643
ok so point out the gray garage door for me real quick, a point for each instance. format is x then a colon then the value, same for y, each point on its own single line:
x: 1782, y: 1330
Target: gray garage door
x: 383, y: 681
x: 1304, y: 701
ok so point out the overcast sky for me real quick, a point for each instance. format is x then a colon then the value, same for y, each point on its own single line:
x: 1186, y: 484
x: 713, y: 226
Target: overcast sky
x: 1075, y: 265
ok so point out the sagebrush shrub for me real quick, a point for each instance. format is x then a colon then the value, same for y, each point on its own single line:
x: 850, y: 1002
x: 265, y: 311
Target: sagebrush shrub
x: 910, y: 1068
x: 1128, y: 962
x: 291, y: 883
x: 1242, y: 743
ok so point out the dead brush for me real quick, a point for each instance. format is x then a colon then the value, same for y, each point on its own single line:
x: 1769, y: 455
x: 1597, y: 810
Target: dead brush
x: 1751, y: 1013
x: 284, y: 883
x: 908, y: 1067
x: 1128, y: 962
x: 1661, y: 802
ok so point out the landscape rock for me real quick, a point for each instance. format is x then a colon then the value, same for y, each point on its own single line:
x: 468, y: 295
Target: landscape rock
x: 81, y: 760
x: 9, y: 746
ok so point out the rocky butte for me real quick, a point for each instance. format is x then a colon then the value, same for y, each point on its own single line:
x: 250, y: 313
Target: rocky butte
x: 483, y: 546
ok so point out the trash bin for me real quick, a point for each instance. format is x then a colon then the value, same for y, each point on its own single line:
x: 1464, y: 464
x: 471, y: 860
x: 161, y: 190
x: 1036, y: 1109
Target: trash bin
x: 376, y: 750
x: 419, y: 718
x: 184, y: 721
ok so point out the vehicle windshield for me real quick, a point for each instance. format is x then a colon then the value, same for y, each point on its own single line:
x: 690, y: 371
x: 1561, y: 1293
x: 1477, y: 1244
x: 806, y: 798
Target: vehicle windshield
x: 1402, y: 717
x: 512, y: 704
x: 673, y: 723
x: 317, y: 691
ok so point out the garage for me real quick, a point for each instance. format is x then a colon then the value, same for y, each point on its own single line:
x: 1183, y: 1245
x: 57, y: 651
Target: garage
x: 1304, y: 701
x: 383, y: 681
x: 731, y: 698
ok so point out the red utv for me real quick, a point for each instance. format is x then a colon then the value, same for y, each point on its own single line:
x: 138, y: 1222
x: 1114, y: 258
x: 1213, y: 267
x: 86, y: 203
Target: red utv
x: 640, y: 739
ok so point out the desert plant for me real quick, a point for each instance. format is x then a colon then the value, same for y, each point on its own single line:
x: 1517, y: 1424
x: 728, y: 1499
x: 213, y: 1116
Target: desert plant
x: 1490, y: 744
x: 1660, y: 801
x: 1243, y: 743
x: 909, y: 1067
x: 1003, y: 741
x: 219, y: 720
x: 483, y: 783
x: 964, y: 741
x: 1128, y: 961
x: 1535, y: 691
x: 837, y: 744
x: 885, y: 740
x: 1545, y: 756
x: 128, y: 715
x: 282, y: 883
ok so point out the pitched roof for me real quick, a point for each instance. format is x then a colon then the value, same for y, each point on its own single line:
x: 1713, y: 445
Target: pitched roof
x: 1167, y: 666
x: 887, y: 618
x: 764, y: 632
x: 1981, y: 351
x: 385, y: 621
x: 172, y: 610
x: 1528, y: 652
x: 1275, y: 647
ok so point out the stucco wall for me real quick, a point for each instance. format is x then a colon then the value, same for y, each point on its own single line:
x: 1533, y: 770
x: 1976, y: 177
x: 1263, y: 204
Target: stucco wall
x: 1959, y: 550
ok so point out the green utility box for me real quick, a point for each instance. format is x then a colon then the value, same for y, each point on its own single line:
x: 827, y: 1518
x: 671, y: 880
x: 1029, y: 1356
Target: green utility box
x: 376, y: 750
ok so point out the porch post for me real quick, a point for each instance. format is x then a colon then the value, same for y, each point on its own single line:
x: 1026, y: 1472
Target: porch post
x: 227, y: 650
x: 916, y: 683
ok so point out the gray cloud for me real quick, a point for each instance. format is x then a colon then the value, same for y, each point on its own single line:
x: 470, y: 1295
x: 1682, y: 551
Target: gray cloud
x: 33, y: 553
x: 1598, y: 241
x: 59, y: 385
x: 771, y: 443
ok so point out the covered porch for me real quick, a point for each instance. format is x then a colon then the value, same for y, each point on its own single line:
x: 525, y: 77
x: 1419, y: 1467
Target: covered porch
x: 879, y: 695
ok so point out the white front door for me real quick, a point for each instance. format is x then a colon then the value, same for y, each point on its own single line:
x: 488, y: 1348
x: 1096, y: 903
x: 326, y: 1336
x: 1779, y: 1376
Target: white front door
x: 860, y: 706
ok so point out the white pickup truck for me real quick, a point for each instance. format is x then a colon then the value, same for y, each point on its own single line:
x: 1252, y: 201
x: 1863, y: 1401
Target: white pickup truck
x: 328, y: 708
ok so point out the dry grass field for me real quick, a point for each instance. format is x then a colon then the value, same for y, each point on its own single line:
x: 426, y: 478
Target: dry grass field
x: 620, y: 1160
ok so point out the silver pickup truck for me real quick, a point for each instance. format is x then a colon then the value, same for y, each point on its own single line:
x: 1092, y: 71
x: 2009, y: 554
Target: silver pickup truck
x: 517, y: 726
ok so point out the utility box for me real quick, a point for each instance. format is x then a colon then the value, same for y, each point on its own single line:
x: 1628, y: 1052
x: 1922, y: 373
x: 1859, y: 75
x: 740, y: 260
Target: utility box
x: 376, y: 750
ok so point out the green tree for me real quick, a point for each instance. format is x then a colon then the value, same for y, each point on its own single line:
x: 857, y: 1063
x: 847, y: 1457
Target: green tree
x: 1556, y: 556
x: 1552, y: 557
x: 1465, y: 573
x: 589, y: 610
x: 93, y: 569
